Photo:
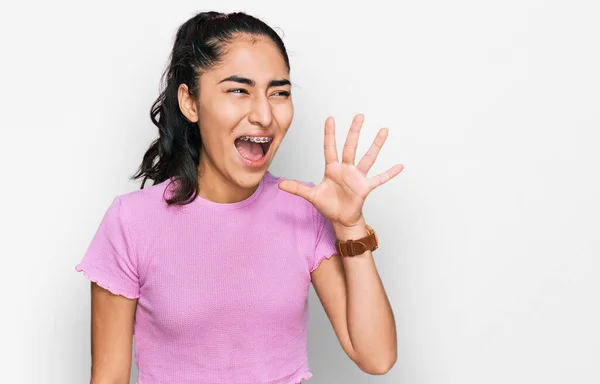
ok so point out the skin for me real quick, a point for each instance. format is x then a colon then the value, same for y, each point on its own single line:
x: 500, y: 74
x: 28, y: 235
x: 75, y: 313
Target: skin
x: 228, y: 110
x: 112, y: 334
x: 349, y: 289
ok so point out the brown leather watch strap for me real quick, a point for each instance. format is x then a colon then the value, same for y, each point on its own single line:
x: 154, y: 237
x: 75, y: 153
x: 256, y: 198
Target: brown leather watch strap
x: 347, y: 248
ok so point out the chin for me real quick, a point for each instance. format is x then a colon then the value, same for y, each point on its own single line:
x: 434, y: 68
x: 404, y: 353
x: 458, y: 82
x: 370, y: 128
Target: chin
x: 246, y: 179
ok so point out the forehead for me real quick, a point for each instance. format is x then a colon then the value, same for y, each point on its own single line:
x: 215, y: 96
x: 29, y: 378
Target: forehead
x: 255, y: 57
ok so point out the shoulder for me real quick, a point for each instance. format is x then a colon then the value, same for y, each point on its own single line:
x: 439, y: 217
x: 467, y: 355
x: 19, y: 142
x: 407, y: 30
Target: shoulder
x: 140, y: 205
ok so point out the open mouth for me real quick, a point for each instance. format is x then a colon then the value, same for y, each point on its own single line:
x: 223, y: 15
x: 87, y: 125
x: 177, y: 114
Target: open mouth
x: 253, y: 148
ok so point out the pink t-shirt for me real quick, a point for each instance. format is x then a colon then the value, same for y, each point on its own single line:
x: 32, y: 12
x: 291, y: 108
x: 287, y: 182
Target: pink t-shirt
x: 222, y: 288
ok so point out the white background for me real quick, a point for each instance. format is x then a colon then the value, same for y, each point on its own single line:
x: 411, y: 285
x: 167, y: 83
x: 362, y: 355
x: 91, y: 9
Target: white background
x: 490, y: 247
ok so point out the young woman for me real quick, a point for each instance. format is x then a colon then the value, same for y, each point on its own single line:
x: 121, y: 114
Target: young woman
x: 210, y: 266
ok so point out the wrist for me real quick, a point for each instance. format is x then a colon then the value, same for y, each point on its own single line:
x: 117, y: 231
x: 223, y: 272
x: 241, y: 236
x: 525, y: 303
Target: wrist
x: 355, y: 231
x: 355, y: 240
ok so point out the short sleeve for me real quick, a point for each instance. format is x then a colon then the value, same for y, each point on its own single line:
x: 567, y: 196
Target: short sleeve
x: 110, y: 260
x: 325, y: 241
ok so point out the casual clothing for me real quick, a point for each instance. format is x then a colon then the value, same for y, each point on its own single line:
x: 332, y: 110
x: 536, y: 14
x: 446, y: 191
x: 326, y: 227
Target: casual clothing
x: 222, y: 288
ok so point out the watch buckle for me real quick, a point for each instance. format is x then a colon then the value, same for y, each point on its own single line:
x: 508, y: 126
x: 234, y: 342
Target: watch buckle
x: 356, y: 248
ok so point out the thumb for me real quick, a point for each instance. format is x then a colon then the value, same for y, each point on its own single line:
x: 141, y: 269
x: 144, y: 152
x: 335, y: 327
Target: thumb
x: 296, y: 188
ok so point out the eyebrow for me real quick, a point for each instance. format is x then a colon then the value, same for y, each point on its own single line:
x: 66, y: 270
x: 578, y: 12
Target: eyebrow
x: 252, y: 83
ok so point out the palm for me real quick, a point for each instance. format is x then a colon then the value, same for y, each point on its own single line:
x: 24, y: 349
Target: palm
x: 341, y: 194
x: 342, y: 186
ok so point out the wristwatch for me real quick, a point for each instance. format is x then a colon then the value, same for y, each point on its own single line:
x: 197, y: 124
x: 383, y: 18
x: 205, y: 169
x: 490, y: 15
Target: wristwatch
x: 351, y: 247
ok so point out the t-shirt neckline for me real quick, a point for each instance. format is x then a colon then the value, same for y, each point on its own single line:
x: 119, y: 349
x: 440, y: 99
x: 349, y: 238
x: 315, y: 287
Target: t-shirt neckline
x: 199, y: 200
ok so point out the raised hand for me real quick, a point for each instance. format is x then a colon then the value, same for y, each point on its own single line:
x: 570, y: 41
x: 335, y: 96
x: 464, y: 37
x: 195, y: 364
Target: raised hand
x: 341, y: 194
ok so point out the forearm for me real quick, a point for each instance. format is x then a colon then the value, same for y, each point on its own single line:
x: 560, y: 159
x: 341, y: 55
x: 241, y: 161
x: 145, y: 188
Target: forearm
x: 109, y: 378
x: 109, y: 381
x: 371, y: 324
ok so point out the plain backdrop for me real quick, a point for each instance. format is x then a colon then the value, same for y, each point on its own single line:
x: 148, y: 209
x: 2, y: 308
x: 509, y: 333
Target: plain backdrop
x: 490, y: 249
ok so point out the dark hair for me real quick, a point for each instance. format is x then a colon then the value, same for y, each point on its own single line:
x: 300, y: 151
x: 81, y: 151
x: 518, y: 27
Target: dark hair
x: 200, y: 44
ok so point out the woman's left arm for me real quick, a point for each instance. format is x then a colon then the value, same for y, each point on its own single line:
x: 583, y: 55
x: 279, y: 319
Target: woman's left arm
x: 357, y: 306
x: 349, y: 288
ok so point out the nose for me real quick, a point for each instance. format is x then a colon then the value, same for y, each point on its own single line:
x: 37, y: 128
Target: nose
x: 261, y: 113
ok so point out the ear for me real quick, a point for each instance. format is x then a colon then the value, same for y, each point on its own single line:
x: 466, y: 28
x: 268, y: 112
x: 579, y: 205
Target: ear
x: 187, y: 104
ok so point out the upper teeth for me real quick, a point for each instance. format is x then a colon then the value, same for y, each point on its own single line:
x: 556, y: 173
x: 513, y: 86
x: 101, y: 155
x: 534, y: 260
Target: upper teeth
x: 256, y: 139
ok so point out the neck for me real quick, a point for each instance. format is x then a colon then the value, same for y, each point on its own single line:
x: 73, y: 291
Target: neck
x: 214, y: 186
